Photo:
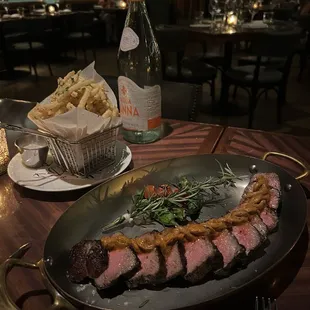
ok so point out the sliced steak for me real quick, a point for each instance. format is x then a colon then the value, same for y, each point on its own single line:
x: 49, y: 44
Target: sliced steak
x: 152, y: 271
x: 97, y: 260
x: 269, y: 218
x: 122, y: 263
x: 229, y: 247
x: 199, y: 255
x: 275, y: 189
x: 175, y: 262
x: 88, y: 258
x: 248, y: 236
x: 274, y: 199
x: 274, y: 186
x: 257, y: 222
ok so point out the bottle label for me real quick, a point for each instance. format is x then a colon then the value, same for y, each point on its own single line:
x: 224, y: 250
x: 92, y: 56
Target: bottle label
x: 129, y: 40
x: 140, y: 108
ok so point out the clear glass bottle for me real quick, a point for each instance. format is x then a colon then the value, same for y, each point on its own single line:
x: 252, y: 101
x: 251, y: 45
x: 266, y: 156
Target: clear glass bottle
x: 140, y: 77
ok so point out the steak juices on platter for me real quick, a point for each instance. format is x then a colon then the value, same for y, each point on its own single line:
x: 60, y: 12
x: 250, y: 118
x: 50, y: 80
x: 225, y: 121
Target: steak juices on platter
x: 193, y: 252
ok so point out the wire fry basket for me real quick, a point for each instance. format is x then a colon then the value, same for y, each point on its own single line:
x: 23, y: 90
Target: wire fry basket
x: 86, y: 156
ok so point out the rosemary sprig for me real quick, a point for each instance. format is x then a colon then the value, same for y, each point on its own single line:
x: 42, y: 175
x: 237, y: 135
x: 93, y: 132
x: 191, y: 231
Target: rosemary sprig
x: 178, y: 206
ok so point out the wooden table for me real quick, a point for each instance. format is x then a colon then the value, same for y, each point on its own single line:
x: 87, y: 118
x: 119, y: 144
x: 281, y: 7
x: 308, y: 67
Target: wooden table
x: 28, y: 215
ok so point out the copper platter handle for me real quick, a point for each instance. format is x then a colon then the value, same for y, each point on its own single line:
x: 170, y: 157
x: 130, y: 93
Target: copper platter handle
x: 303, y: 175
x: 15, y: 260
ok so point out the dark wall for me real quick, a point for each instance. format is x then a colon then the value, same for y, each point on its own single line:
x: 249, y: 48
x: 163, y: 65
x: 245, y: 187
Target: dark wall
x: 160, y: 11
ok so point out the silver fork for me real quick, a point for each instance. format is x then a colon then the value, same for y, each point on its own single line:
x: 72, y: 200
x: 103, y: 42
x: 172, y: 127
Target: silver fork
x: 265, y: 303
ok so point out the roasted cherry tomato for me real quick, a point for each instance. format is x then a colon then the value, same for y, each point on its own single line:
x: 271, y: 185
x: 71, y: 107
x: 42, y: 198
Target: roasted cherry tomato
x: 149, y: 191
x: 164, y: 190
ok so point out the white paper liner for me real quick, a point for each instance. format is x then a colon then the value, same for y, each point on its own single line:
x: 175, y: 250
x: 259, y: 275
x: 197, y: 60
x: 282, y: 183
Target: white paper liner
x: 79, y: 123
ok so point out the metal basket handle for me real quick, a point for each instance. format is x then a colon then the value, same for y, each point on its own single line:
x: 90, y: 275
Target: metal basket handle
x: 6, y: 302
x: 306, y: 170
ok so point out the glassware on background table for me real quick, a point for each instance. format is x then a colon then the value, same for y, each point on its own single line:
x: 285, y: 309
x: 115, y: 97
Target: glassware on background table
x: 231, y: 19
x: 254, y: 7
x: 213, y: 9
x: 32, y: 9
x: 230, y: 6
x: 219, y: 15
x: 4, y: 152
x: 219, y: 21
x: 199, y: 15
x: 21, y: 11
x: 6, y: 7
x: 268, y: 18
x: 68, y: 7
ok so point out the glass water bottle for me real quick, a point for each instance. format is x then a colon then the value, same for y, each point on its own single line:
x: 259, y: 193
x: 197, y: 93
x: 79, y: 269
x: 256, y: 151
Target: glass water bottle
x: 140, y: 77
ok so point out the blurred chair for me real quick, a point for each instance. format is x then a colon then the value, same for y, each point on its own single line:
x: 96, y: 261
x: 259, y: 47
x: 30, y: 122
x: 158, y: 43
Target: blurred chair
x: 11, y: 32
x: 257, y: 79
x: 78, y: 33
x: 213, y: 58
x: 28, y: 39
x: 179, y: 101
x: 284, y: 13
x: 303, y: 49
x: 177, y: 68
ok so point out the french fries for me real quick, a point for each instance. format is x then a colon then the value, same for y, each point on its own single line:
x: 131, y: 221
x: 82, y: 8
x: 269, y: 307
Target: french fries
x: 75, y: 91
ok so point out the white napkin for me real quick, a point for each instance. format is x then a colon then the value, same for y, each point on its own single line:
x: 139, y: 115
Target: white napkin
x: 256, y: 24
x: 16, y: 16
x: 200, y: 25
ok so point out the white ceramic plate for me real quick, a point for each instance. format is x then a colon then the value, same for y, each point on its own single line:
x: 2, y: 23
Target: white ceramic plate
x: 50, y: 178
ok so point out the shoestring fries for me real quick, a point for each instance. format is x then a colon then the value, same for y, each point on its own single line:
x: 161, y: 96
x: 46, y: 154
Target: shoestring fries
x: 75, y: 91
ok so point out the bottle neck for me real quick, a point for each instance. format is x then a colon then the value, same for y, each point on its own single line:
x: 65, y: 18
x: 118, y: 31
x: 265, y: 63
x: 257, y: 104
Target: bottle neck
x: 136, y: 5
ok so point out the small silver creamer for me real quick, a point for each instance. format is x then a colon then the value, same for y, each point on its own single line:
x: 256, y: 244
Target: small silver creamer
x: 33, y: 150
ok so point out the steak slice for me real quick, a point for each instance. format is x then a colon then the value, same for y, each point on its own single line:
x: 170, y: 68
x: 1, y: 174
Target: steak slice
x: 97, y: 260
x: 199, y: 255
x: 175, y: 262
x: 122, y: 263
x: 230, y: 249
x: 88, y: 258
x: 248, y: 236
x: 274, y: 185
x: 257, y: 222
x: 275, y: 190
x: 269, y: 218
x: 152, y: 271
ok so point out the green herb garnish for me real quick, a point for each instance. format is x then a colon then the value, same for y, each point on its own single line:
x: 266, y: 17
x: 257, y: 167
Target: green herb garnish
x: 175, y: 204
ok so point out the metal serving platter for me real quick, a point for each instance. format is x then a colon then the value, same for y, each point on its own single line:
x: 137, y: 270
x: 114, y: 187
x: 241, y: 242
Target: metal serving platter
x: 85, y: 218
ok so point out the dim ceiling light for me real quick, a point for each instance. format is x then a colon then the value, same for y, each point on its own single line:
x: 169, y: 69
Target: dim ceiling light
x: 122, y: 4
x: 51, y: 9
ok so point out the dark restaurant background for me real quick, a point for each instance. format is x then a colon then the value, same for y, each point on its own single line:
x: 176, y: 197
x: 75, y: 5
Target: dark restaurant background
x: 63, y: 58
x: 231, y: 86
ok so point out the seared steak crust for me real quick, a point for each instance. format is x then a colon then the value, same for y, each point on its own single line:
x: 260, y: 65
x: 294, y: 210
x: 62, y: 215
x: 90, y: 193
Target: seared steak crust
x: 88, y: 259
